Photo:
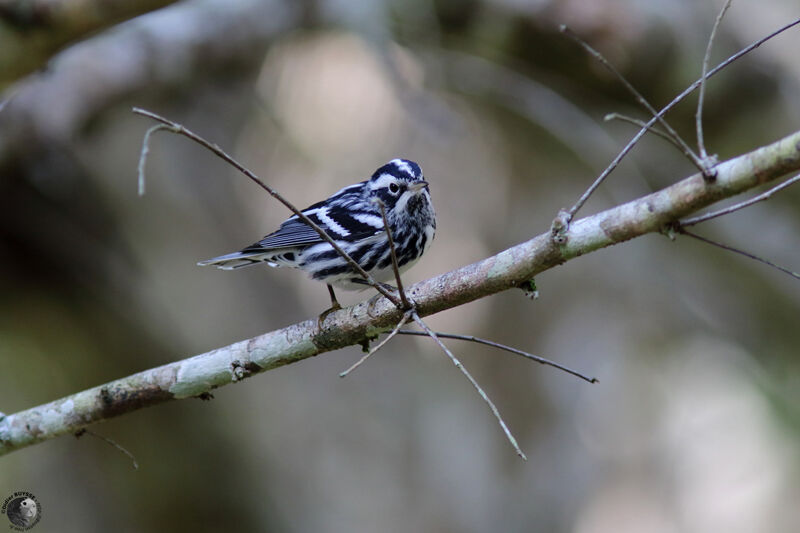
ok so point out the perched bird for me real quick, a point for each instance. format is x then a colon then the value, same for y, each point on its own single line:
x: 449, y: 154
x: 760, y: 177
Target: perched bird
x: 352, y: 218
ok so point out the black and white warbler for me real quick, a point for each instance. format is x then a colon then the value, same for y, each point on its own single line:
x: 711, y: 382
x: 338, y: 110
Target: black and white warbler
x: 352, y: 218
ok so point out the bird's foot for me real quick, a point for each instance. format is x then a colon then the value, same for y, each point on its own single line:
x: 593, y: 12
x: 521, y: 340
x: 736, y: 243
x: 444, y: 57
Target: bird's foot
x: 321, y: 318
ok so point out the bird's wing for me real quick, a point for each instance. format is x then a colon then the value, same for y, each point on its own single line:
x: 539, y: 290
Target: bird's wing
x: 293, y: 232
x: 343, y: 216
x: 339, y: 222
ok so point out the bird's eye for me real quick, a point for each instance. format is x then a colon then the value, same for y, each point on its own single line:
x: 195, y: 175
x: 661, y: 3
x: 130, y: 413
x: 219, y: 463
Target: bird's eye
x: 394, y: 188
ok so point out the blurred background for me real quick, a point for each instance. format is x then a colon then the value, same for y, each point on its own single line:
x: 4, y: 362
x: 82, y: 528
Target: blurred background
x: 695, y: 423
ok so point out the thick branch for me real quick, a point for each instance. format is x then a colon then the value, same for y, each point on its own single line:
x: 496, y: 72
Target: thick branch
x: 349, y: 326
x: 31, y: 31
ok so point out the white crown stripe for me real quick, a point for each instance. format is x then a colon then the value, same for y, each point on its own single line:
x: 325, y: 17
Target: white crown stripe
x: 402, y: 165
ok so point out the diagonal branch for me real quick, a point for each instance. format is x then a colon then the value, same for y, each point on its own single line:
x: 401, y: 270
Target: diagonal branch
x: 508, y: 269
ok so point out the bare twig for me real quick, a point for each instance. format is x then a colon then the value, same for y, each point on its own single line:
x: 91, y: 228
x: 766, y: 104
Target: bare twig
x: 641, y: 124
x: 738, y: 251
x: 81, y: 432
x: 570, y: 214
x: 495, y: 412
x: 395, y: 331
x: 639, y: 98
x: 708, y: 162
x: 179, y: 129
x: 517, y: 351
x: 760, y: 198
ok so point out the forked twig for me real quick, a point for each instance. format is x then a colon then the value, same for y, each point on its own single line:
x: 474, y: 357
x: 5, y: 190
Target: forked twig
x: 641, y: 124
x: 179, y: 129
x: 570, y: 214
x: 457, y: 363
x: 760, y: 198
x: 510, y: 349
x: 411, y: 312
x: 699, y: 115
x: 639, y: 98
x: 738, y: 251
x: 395, y: 331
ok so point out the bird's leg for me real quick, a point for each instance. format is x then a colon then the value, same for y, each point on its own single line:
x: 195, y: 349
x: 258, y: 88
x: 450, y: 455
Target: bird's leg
x: 334, y: 302
x: 335, y: 306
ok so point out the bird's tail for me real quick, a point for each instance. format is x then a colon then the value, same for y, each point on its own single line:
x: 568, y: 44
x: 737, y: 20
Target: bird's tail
x: 236, y: 260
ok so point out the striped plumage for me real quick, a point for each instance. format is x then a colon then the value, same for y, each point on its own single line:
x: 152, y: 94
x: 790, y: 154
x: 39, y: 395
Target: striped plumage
x: 353, y: 219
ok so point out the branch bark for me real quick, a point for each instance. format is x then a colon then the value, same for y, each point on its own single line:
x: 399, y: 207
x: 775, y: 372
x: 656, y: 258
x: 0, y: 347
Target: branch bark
x: 350, y: 326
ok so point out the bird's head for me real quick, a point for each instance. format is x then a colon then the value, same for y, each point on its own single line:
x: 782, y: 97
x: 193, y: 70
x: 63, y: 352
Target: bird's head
x: 400, y: 185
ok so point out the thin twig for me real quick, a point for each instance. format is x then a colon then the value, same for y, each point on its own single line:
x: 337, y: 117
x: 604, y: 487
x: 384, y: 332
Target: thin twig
x: 406, y: 317
x: 635, y: 139
x: 699, y: 115
x: 641, y: 124
x: 517, y: 351
x: 411, y: 312
x: 174, y: 127
x: 495, y: 412
x: 760, y: 198
x: 393, y: 253
x: 738, y: 251
x: 113, y: 443
x: 404, y: 300
x: 638, y: 96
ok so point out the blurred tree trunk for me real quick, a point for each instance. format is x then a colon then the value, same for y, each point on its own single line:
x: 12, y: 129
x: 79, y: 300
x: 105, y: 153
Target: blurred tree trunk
x: 32, y: 31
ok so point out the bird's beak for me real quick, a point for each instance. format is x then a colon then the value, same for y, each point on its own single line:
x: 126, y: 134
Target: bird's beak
x: 418, y: 186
